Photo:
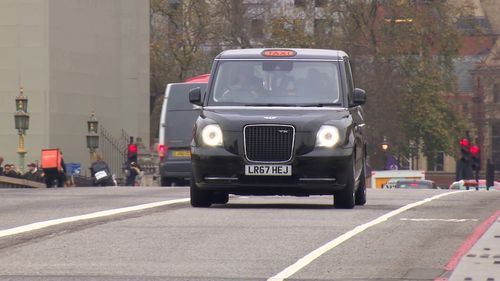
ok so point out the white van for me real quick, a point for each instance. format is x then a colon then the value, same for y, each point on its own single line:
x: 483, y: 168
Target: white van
x: 176, y: 127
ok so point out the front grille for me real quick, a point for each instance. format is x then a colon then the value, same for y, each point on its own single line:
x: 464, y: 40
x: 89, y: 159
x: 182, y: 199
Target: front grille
x: 269, y: 143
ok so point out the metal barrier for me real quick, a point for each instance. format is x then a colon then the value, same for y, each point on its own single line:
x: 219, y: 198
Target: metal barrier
x: 113, y: 151
x: 125, y: 137
x: 9, y: 182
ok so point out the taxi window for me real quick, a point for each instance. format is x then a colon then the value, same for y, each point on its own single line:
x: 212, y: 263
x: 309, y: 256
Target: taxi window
x: 281, y: 82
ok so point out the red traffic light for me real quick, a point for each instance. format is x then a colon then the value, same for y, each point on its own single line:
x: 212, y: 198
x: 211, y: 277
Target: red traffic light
x: 132, y: 148
x: 474, y: 150
x: 464, y: 143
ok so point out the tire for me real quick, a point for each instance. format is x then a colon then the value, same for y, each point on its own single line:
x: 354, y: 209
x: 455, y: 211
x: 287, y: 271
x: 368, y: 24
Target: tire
x: 361, y: 192
x: 199, y: 198
x: 345, y: 198
x: 220, y: 198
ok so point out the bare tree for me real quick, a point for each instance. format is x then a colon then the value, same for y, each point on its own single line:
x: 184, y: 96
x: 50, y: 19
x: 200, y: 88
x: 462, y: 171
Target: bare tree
x: 179, y: 31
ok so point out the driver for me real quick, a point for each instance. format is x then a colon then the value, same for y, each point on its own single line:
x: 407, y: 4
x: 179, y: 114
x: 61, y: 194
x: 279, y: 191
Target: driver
x: 246, y: 85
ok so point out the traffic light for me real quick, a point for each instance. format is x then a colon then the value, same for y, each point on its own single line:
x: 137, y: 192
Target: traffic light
x: 132, y: 153
x: 475, y: 157
x: 465, y: 149
x: 464, y: 169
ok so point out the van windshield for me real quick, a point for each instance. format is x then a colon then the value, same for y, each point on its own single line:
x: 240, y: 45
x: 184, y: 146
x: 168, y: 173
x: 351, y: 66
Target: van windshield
x: 276, y: 82
x: 178, y: 96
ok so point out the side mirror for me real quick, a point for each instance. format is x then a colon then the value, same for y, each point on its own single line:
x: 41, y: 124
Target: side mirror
x: 195, y: 96
x: 359, y: 96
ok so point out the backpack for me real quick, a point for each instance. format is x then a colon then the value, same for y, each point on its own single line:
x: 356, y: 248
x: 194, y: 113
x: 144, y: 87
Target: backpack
x: 101, y: 171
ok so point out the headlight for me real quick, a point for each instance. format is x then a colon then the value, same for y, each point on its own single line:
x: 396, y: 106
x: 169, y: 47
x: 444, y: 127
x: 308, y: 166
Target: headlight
x: 327, y: 136
x: 212, y: 135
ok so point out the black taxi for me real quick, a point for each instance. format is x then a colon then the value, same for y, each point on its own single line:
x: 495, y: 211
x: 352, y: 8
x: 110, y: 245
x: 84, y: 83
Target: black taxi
x: 279, y: 122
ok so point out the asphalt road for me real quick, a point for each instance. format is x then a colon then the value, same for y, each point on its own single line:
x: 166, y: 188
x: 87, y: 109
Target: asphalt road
x: 251, y: 238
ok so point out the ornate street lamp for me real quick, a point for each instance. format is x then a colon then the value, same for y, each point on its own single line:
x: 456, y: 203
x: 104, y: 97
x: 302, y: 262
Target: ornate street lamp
x: 21, y: 101
x: 92, y: 137
x: 385, y: 144
x: 22, y: 120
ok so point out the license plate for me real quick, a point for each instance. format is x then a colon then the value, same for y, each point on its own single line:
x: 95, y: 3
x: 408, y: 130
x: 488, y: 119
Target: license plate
x: 181, y: 153
x: 268, y: 170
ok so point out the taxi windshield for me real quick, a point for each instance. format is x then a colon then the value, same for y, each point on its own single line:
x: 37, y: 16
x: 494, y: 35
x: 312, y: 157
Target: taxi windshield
x: 276, y: 83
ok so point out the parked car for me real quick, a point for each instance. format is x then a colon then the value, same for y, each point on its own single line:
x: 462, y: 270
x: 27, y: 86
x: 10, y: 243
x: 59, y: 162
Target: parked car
x: 391, y: 183
x: 416, y: 184
x: 461, y: 185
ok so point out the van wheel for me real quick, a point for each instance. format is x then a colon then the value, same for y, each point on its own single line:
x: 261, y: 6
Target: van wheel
x: 164, y: 181
x: 199, y: 198
x: 220, y: 198
x: 345, y: 198
x: 361, y: 192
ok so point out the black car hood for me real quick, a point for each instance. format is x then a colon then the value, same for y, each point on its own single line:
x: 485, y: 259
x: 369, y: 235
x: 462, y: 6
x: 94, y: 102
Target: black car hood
x: 234, y: 118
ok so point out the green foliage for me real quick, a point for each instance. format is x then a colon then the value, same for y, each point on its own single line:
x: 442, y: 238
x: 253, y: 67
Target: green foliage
x: 428, y: 117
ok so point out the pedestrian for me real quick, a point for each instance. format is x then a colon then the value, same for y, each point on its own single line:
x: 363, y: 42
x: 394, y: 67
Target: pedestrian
x: 51, y: 177
x: 61, y: 177
x: 56, y: 175
x: 101, y: 173
x: 33, y: 174
x: 133, y: 171
x: 11, y: 171
x: 1, y: 168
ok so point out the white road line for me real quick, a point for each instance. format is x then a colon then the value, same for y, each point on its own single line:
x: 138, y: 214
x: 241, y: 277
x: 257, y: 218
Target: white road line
x: 443, y: 220
x: 44, y: 224
x: 303, y: 262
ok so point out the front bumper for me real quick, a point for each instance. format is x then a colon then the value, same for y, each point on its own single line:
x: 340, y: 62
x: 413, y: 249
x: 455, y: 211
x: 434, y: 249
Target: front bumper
x: 314, y: 173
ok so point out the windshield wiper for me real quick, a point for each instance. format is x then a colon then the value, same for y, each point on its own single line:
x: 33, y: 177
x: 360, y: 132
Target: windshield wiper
x: 321, y: 104
x: 270, y: 104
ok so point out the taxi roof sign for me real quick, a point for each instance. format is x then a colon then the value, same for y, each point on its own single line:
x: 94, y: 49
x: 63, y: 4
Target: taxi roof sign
x: 279, y: 53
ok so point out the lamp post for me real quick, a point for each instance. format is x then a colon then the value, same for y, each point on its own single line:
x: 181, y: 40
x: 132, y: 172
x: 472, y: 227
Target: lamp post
x: 92, y: 137
x: 384, y: 145
x: 22, y: 120
x: 413, y: 154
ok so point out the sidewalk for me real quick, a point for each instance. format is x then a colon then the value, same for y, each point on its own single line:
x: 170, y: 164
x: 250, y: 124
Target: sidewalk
x: 482, y: 261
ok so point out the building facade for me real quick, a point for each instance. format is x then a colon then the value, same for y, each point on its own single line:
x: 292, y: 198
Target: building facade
x: 73, y: 57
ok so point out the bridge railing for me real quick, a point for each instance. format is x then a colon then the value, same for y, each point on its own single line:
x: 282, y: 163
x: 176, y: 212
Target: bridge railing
x: 9, y: 182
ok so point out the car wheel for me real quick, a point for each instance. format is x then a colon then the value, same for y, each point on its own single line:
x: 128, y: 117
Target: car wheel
x: 220, y: 198
x: 199, y: 198
x: 345, y: 198
x: 361, y: 192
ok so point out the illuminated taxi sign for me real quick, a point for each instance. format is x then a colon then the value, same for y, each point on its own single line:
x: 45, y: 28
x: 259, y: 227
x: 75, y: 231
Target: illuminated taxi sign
x: 279, y: 53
